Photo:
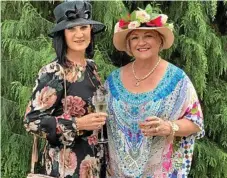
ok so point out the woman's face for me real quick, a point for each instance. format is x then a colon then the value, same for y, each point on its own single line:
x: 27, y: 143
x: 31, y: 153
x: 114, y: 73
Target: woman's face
x: 144, y: 44
x: 78, y: 38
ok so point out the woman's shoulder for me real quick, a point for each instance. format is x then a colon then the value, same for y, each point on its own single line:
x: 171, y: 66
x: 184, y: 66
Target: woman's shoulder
x: 178, y: 74
x: 175, y: 69
x: 114, y: 73
x: 91, y: 63
x: 52, y: 68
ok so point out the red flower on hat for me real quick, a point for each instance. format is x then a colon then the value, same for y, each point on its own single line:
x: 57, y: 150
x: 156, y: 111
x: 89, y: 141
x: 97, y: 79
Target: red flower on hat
x: 122, y: 23
x: 155, y: 22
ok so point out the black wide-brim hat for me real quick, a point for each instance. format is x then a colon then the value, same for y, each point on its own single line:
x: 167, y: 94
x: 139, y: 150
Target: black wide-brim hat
x: 75, y: 13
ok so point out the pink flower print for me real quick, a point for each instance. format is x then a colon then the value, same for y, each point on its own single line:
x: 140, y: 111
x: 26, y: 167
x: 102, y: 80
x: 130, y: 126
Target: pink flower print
x: 92, y: 140
x: 66, y: 116
x: 75, y: 106
x: 71, y: 75
x: 45, y: 98
x: 194, y: 109
x: 88, y: 167
x: 70, y: 162
x: 52, y: 154
x: 167, y: 164
x: 85, y: 169
x: 170, y: 152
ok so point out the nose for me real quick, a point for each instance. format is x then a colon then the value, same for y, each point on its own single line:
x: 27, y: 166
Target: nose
x: 141, y: 41
x: 78, y: 33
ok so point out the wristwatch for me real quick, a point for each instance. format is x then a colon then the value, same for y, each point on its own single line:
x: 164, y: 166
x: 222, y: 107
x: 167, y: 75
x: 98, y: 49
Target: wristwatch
x: 175, y: 127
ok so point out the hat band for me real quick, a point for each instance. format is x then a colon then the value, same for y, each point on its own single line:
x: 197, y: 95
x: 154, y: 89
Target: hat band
x: 72, y: 15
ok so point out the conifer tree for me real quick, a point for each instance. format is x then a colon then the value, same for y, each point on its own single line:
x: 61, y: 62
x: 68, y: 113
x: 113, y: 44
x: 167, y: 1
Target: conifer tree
x: 25, y: 48
x: 200, y: 49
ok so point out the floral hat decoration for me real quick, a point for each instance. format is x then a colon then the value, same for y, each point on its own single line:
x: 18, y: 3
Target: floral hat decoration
x: 142, y: 19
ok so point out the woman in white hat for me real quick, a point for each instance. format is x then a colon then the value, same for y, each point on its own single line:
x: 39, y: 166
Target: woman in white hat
x: 154, y: 112
x: 61, y: 107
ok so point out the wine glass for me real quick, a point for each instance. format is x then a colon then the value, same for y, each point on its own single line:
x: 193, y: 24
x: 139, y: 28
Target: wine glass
x: 142, y: 125
x: 99, y: 101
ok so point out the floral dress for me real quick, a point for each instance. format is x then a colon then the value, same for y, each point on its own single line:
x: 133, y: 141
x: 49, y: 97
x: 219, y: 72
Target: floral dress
x: 47, y: 117
x: 131, y: 154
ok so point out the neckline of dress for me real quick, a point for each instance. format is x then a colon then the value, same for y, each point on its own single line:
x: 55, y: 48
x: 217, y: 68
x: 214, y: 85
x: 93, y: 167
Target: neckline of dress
x: 72, y: 65
x: 119, y: 76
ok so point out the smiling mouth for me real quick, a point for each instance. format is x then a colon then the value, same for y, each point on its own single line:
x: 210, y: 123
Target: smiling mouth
x: 79, y: 41
x: 142, y: 49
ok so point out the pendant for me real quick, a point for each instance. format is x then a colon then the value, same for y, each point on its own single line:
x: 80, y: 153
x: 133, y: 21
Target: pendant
x: 137, y: 83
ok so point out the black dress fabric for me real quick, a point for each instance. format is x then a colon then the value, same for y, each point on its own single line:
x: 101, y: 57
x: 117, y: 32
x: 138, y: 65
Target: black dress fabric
x: 47, y: 116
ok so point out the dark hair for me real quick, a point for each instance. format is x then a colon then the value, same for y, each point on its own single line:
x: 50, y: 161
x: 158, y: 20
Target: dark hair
x: 60, y: 46
x: 120, y: 59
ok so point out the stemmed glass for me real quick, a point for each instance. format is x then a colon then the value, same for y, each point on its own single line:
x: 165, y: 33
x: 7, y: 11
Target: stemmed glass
x: 99, y: 101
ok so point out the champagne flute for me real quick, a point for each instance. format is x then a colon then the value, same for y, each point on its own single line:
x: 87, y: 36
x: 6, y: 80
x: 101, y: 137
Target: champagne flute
x: 99, y: 101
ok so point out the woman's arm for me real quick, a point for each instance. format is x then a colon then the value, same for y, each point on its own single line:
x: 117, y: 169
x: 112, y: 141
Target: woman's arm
x: 47, y: 95
x: 190, y: 120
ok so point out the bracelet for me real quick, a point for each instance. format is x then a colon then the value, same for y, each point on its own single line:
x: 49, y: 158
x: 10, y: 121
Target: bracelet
x: 174, y: 128
x: 74, y: 120
x: 170, y: 137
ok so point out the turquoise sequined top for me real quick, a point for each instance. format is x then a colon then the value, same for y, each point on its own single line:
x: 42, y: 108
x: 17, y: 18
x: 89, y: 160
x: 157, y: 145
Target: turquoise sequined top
x: 132, y: 154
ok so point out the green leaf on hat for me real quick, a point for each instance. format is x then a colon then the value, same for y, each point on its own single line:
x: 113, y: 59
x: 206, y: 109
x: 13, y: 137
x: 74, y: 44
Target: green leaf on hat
x: 169, y: 25
x: 125, y: 16
x: 148, y: 9
x: 140, y: 9
x: 133, y: 16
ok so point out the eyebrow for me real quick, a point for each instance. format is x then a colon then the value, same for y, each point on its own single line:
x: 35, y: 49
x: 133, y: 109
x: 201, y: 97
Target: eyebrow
x: 144, y: 33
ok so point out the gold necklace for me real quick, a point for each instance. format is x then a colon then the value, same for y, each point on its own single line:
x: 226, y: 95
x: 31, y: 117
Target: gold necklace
x: 138, y: 80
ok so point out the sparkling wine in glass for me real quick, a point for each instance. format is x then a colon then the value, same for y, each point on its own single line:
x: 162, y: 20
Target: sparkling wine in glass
x: 100, y: 107
x: 99, y: 101
x: 141, y: 124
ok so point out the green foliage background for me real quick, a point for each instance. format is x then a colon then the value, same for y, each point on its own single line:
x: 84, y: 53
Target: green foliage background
x: 200, y: 48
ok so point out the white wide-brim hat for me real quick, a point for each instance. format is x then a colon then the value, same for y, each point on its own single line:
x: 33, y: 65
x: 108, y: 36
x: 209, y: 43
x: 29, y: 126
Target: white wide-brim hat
x: 142, y: 20
x: 120, y: 43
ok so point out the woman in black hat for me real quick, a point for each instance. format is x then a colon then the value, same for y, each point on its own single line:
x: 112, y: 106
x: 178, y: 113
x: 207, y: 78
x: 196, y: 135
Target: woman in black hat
x: 61, y: 104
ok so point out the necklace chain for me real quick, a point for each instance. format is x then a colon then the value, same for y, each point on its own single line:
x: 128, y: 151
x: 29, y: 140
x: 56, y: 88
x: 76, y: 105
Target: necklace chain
x: 138, y: 80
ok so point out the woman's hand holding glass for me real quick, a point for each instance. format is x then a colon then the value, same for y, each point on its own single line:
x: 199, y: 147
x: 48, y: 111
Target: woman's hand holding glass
x: 154, y: 126
x: 93, y: 121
